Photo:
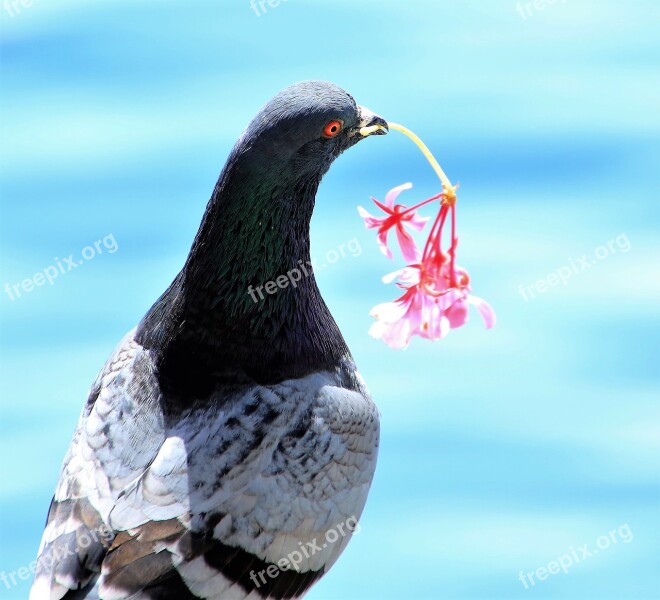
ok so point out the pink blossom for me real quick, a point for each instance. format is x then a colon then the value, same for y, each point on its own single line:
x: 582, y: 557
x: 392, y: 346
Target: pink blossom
x: 429, y: 308
x: 437, y: 291
x: 396, y: 216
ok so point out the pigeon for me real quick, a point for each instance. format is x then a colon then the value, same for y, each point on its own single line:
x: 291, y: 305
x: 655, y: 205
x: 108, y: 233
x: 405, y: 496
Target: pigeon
x: 228, y: 445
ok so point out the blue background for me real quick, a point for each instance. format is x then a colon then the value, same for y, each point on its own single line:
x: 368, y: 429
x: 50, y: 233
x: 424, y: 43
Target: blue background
x: 502, y: 449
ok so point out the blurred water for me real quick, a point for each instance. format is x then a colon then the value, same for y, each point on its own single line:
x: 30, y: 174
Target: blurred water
x: 501, y: 449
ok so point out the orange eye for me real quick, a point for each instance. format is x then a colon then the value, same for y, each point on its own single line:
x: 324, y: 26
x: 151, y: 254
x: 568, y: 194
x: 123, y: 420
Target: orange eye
x: 332, y: 129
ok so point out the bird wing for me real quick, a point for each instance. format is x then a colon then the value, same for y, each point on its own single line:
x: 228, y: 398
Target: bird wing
x: 193, y: 507
x: 119, y: 434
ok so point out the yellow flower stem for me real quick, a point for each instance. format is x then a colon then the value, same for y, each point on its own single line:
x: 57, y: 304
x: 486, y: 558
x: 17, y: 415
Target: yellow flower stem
x: 448, y: 188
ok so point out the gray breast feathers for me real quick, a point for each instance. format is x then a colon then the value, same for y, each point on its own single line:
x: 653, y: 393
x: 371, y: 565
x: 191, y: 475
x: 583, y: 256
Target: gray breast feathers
x: 199, y: 502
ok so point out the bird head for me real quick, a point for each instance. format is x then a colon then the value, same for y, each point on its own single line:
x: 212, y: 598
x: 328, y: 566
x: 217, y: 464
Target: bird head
x: 306, y: 126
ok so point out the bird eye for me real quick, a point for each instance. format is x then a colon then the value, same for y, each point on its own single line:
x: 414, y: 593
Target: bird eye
x: 332, y: 129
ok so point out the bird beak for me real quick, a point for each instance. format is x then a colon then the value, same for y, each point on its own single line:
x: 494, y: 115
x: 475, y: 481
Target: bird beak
x: 371, y: 123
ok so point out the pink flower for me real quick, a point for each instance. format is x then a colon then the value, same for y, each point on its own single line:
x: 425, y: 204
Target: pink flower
x: 437, y: 292
x: 396, y: 216
x: 429, y: 308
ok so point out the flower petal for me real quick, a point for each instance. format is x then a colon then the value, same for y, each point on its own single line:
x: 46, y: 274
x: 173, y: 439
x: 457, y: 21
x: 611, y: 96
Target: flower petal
x: 485, y: 310
x: 408, y: 275
x: 407, y: 244
x: 396, y: 335
x: 434, y: 325
x: 363, y: 213
x: 417, y: 222
x: 390, y: 277
x: 392, y: 195
x: 457, y: 313
x: 382, y: 242
x: 450, y: 297
x: 369, y: 220
x: 389, y: 312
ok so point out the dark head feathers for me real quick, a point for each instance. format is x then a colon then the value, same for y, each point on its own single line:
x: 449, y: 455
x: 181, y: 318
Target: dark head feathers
x: 288, y: 130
